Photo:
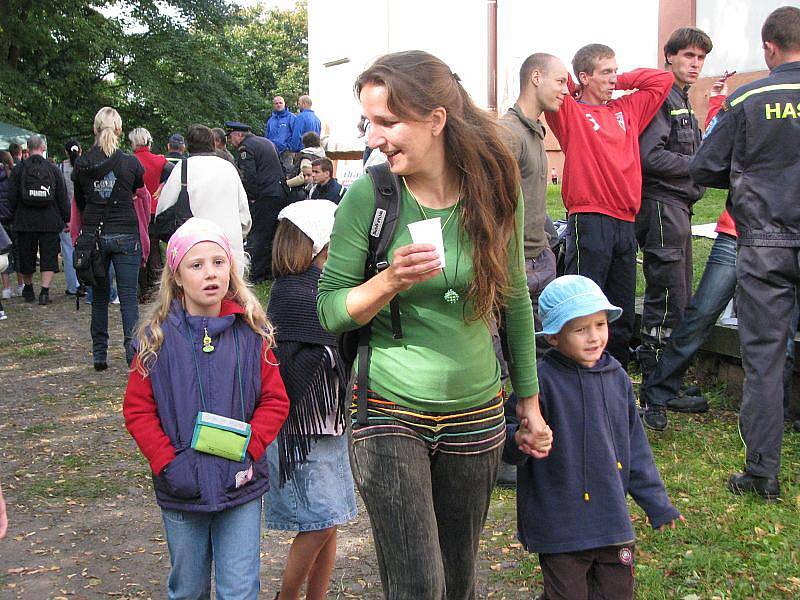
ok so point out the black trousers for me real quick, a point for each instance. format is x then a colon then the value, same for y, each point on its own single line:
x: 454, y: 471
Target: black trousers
x: 603, y: 249
x: 597, y: 574
x: 258, y: 245
x: 768, y: 279
x: 664, y: 233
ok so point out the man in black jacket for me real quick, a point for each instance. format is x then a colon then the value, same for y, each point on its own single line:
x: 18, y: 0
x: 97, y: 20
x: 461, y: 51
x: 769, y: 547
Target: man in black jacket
x: 325, y: 185
x: 751, y: 148
x: 261, y: 171
x: 664, y: 222
x: 37, y: 195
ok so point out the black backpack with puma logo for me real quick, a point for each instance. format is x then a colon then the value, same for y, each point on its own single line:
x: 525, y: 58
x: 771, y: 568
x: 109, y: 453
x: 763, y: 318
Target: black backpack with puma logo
x: 37, y: 184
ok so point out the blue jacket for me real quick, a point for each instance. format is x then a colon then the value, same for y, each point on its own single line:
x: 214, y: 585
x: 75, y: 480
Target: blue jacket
x: 195, y: 481
x: 304, y: 122
x: 279, y: 128
x: 599, y: 448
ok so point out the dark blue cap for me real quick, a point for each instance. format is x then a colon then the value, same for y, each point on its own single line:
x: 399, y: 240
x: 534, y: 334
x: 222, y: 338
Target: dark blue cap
x: 236, y: 126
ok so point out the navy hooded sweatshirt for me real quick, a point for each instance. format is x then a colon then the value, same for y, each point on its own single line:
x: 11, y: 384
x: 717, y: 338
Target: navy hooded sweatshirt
x: 575, y: 498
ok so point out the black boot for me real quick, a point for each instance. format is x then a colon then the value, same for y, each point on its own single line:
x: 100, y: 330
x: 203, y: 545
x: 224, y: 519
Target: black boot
x: 28, y: 294
x: 766, y: 487
x: 655, y: 417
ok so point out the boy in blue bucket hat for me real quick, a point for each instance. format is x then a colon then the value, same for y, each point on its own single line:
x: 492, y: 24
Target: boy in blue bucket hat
x: 571, y: 505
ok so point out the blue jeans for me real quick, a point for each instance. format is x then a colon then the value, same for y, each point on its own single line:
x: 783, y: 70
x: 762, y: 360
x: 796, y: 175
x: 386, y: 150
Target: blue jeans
x: 714, y: 292
x: 67, y: 251
x: 124, y: 251
x: 230, y: 538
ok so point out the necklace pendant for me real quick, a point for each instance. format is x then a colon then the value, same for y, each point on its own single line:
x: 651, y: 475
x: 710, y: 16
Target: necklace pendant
x: 451, y: 296
x: 207, y: 347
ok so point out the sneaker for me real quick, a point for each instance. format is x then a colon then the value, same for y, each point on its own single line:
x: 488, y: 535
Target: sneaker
x: 7, y: 294
x: 28, y: 294
x: 44, y: 298
x: 20, y: 289
x: 655, y: 418
x: 766, y: 487
x: 3, y: 315
x: 100, y: 366
x: 688, y: 404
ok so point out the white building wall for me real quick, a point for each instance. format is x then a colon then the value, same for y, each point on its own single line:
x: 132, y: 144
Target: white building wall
x: 630, y: 27
x: 455, y: 31
x: 735, y: 29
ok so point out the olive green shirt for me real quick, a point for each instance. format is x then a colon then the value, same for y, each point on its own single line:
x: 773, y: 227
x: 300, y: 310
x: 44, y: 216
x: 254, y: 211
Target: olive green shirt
x: 525, y: 139
x: 443, y: 363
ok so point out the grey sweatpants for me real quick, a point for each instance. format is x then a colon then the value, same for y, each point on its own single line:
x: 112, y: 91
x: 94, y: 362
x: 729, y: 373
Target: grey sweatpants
x: 768, y: 279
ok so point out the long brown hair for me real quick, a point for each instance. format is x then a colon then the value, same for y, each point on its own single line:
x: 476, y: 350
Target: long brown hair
x: 416, y: 83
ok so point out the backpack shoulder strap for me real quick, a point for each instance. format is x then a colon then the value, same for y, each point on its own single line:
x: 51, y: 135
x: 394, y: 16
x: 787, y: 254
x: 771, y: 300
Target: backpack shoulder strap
x: 384, y: 222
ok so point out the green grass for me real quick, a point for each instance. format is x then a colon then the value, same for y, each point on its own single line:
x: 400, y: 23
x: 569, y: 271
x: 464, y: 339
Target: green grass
x: 731, y: 547
x: 706, y: 210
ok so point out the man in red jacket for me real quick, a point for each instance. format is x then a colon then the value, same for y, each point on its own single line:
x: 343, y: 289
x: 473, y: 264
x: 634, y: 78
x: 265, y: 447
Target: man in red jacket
x: 602, y: 180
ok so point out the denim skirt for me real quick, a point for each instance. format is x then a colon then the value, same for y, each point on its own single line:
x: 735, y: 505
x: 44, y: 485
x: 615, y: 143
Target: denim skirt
x: 320, y: 494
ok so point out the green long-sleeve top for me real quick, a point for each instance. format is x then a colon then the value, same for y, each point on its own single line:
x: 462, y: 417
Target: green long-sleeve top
x: 443, y: 362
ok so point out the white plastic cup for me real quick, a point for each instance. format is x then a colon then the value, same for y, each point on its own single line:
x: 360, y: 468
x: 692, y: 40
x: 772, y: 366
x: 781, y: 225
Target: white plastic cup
x: 429, y: 231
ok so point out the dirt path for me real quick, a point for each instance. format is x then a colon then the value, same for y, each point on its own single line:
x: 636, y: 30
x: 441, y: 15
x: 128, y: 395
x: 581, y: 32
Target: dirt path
x: 83, y: 521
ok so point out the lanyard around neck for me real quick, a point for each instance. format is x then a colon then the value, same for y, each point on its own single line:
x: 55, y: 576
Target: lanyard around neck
x: 190, y: 339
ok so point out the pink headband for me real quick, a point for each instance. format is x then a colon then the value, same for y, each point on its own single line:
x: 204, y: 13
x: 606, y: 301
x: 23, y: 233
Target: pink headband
x: 192, y: 232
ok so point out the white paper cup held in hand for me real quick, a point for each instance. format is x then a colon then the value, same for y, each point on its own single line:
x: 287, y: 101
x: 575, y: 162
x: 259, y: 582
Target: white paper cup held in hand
x: 429, y: 231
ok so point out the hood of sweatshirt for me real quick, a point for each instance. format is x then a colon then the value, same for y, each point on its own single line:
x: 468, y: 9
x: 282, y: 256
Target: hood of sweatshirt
x: 317, y: 151
x: 96, y: 164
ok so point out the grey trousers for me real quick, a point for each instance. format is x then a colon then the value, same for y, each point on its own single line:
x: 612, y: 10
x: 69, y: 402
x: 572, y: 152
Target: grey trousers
x: 768, y: 279
x: 427, y: 511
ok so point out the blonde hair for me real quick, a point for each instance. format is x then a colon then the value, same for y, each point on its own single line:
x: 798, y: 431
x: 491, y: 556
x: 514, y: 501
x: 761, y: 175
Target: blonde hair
x: 107, y: 129
x: 140, y: 137
x: 150, y: 335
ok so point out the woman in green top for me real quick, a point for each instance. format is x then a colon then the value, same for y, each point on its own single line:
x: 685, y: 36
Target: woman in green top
x: 425, y: 462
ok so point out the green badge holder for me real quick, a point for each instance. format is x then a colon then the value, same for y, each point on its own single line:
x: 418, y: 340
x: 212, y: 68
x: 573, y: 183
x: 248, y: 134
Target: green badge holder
x: 221, y: 436
x: 216, y: 434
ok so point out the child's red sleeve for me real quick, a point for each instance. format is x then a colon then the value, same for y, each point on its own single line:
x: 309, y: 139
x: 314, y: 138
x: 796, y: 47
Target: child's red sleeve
x: 141, y: 420
x: 271, y: 409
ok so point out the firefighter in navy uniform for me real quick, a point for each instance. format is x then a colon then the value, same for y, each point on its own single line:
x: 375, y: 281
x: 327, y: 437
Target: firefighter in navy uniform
x: 751, y: 147
x: 261, y: 171
x: 664, y: 222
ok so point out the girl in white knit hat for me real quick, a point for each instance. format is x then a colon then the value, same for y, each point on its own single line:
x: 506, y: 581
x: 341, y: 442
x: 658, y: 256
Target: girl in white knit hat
x: 313, y: 489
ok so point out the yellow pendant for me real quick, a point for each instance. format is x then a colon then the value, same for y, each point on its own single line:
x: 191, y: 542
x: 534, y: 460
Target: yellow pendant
x: 207, y: 347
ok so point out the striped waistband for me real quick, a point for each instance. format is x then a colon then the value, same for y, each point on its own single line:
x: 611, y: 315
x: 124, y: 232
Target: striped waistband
x: 470, y: 431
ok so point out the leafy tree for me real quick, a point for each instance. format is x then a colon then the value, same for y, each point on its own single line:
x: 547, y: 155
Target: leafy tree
x: 163, y: 64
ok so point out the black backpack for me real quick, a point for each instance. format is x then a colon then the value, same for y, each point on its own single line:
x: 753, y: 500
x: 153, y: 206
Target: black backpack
x: 37, y: 184
x: 354, y: 345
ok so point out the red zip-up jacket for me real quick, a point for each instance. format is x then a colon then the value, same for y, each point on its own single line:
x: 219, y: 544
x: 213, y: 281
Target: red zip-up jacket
x: 602, y: 168
x: 725, y: 223
x: 142, y: 421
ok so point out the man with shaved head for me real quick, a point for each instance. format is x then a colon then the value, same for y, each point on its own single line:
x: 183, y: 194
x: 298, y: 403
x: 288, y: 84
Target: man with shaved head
x: 542, y: 87
x: 278, y: 130
x: 305, y: 121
